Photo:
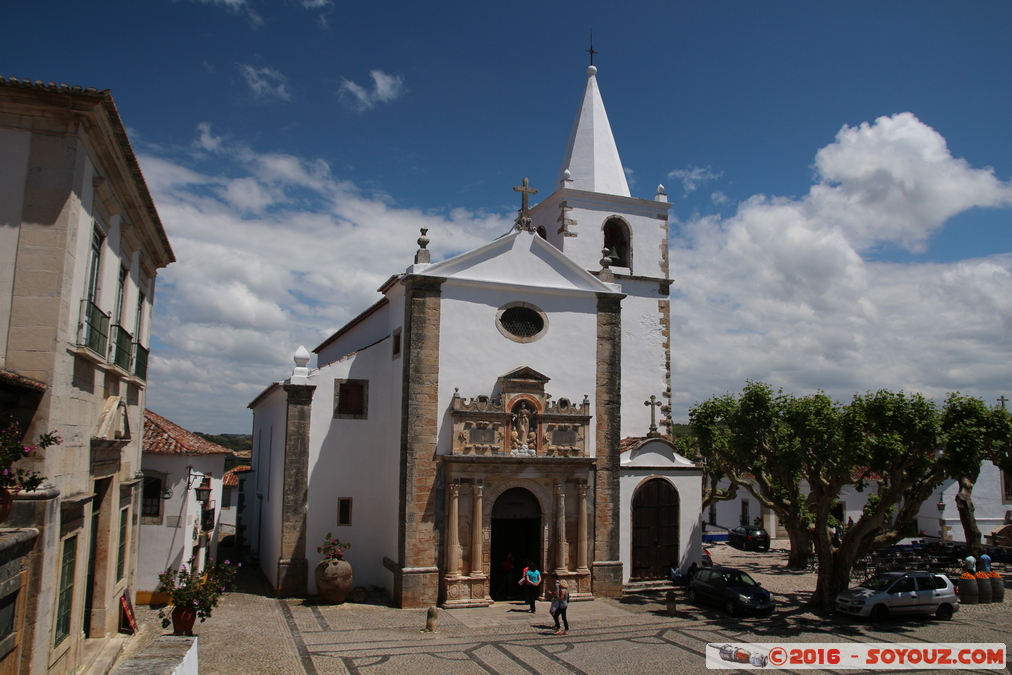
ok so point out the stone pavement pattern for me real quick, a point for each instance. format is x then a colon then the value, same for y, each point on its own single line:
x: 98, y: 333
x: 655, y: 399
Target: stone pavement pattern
x: 255, y: 634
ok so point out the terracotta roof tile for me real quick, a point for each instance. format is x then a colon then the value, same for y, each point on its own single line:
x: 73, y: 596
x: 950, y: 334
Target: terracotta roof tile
x: 162, y: 437
x: 231, y: 479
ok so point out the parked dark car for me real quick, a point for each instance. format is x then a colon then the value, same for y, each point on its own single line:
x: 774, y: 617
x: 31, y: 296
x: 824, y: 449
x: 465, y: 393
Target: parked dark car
x: 747, y: 537
x: 924, y: 593
x: 732, y: 589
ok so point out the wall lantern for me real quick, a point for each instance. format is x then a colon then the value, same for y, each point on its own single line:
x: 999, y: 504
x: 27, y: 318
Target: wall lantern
x: 203, y: 490
x: 941, y: 505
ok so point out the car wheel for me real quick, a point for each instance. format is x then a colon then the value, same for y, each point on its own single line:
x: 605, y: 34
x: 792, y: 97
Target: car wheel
x: 691, y: 593
x: 879, y: 613
x: 944, y: 612
x: 731, y: 608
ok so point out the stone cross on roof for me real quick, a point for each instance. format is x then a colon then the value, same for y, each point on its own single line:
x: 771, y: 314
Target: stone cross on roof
x: 524, y: 221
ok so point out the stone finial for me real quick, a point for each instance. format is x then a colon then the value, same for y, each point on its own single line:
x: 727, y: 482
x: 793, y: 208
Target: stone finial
x: 606, y: 275
x: 301, y: 359
x: 661, y: 196
x: 422, y: 255
x: 567, y: 178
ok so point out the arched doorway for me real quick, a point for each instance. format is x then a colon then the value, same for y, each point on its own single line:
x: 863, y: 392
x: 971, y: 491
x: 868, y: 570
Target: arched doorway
x: 655, y: 515
x: 516, y: 532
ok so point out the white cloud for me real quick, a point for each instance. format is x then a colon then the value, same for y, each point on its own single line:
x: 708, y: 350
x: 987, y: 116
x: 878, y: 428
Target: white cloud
x: 693, y: 177
x: 780, y: 292
x: 236, y: 7
x: 259, y: 272
x: 265, y: 83
x: 386, y: 88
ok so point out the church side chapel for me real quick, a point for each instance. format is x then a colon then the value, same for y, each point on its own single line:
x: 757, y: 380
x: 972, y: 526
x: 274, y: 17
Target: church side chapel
x: 497, y: 407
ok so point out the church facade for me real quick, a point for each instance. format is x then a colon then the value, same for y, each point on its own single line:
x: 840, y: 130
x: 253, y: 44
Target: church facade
x: 473, y: 418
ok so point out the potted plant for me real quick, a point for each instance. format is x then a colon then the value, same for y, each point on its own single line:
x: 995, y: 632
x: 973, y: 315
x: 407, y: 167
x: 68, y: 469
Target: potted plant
x: 13, y: 449
x: 333, y: 574
x: 193, y: 594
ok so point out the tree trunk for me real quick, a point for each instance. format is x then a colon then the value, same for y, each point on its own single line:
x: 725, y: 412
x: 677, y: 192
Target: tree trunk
x: 964, y: 504
x: 801, y: 546
x: 834, y: 579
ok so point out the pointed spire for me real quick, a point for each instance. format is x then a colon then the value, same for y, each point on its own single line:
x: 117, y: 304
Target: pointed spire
x: 591, y: 155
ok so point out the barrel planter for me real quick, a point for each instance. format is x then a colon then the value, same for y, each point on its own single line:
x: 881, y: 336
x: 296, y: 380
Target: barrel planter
x: 968, y: 591
x: 997, y: 588
x: 983, y: 587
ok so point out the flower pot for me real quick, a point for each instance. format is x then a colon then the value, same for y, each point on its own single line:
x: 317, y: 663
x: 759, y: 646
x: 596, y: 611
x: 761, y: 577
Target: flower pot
x: 983, y: 590
x: 182, y: 620
x: 6, y: 504
x: 968, y: 591
x: 333, y: 580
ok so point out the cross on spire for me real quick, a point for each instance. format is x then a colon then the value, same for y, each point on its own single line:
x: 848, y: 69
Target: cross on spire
x: 524, y: 221
x: 592, y: 51
x: 1002, y: 400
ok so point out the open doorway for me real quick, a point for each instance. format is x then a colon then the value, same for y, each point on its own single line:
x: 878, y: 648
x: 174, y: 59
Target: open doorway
x: 516, y: 538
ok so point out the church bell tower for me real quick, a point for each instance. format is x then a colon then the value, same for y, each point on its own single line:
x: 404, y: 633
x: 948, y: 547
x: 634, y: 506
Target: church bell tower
x: 592, y: 218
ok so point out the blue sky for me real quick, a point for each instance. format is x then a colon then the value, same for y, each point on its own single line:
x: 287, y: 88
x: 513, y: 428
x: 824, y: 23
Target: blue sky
x: 295, y: 147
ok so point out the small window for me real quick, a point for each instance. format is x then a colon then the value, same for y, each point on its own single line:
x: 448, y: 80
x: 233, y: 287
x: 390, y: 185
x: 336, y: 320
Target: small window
x: 1006, y: 486
x: 351, y: 399
x: 396, y: 349
x: 344, y: 511
x: 226, y: 497
x: 151, y: 497
x: 521, y: 322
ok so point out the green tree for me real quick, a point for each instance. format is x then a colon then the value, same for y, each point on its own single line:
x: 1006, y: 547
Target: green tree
x: 974, y: 433
x: 800, y: 452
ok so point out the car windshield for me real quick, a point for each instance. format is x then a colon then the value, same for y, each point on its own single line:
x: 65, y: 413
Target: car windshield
x: 738, y: 579
x: 879, y: 583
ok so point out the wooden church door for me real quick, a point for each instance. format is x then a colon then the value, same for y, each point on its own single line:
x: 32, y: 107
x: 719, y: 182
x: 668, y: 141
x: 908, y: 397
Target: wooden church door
x: 655, y: 514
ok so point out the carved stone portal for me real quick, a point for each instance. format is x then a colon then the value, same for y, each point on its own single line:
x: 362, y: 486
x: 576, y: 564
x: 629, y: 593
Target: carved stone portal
x: 522, y: 421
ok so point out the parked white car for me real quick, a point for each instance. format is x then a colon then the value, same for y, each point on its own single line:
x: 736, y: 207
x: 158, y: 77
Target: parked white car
x: 901, y: 593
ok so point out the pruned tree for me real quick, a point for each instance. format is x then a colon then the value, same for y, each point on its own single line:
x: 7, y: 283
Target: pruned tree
x: 974, y: 433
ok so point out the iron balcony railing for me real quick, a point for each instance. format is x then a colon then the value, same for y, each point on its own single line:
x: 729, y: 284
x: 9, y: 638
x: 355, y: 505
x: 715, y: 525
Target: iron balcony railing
x: 122, y: 348
x: 94, y: 328
x: 140, y: 361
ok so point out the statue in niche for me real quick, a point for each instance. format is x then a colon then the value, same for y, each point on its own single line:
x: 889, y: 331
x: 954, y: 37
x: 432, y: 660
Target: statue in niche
x: 524, y: 441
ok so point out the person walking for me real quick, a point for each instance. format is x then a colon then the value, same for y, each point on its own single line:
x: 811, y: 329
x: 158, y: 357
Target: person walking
x: 560, y: 604
x: 532, y: 582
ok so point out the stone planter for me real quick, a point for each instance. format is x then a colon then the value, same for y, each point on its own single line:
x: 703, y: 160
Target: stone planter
x: 968, y: 591
x: 983, y: 590
x: 182, y: 620
x: 333, y: 580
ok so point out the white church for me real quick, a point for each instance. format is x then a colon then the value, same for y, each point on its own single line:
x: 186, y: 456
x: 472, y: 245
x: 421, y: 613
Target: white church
x: 502, y: 404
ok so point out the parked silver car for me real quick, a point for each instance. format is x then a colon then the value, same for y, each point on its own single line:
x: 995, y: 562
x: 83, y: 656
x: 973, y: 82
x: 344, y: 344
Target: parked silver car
x: 898, y: 593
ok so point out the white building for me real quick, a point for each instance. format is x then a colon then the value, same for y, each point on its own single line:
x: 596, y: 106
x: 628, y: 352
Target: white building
x: 477, y: 409
x: 175, y: 526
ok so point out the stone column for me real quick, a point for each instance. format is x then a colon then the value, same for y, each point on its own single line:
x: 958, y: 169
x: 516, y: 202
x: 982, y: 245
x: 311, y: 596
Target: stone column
x: 476, y: 529
x: 292, y: 565
x: 420, y: 508
x: 560, y: 529
x: 581, y: 530
x: 452, y: 525
x: 607, y: 566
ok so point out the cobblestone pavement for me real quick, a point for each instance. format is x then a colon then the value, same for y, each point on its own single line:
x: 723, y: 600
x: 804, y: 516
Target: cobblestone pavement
x: 253, y: 633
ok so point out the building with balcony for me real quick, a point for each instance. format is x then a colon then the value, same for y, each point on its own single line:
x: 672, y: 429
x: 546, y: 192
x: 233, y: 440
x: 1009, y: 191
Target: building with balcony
x: 81, y: 244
